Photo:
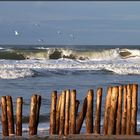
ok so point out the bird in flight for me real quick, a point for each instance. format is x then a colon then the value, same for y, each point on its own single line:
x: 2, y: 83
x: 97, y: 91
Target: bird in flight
x: 16, y: 33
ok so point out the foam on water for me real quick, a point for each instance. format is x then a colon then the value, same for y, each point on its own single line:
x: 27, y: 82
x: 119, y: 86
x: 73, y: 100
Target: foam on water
x: 1, y: 48
x: 130, y: 53
x: 15, y: 73
x: 11, y: 69
x: 40, y: 61
x: 42, y: 48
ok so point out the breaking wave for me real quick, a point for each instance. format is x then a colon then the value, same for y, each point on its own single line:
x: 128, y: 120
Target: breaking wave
x: 57, y: 53
x: 20, y: 63
x: 11, y: 69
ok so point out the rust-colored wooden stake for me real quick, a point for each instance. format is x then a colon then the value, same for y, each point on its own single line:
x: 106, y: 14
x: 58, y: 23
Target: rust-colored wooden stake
x: 67, y: 105
x: 129, y: 107
x: 32, y: 116
x: 4, y: 120
x: 19, y: 103
x: 58, y: 107
x: 119, y: 111
x: 89, y: 113
x: 124, y: 112
x: 98, y: 111
x: 81, y: 116
x: 134, y: 109
x: 72, y: 125
x: 38, y: 110
x: 53, y: 113
x: 62, y: 113
x: 107, y: 110
x: 113, y: 110
x: 10, y: 116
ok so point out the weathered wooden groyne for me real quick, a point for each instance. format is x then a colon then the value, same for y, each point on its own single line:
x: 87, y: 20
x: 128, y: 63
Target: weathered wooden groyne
x: 120, y: 112
x: 7, y: 116
x: 66, y: 118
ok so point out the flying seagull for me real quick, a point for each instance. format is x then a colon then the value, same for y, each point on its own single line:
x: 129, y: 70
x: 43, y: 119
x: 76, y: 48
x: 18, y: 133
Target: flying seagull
x: 59, y: 32
x: 71, y: 35
x: 40, y: 40
x: 36, y: 24
x: 16, y: 33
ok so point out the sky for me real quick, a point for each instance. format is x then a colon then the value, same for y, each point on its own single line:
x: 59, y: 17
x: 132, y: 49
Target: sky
x: 70, y: 23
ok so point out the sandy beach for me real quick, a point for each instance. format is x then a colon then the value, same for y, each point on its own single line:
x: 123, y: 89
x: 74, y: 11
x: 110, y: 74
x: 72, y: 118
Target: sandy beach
x: 79, y: 137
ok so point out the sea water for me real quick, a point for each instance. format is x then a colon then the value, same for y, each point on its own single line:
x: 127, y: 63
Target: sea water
x: 28, y: 69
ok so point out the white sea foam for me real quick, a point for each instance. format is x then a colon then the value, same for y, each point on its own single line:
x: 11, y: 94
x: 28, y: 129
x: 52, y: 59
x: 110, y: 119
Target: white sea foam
x: 15, y: 73
x: 133, y: 53
x: 11, y: 69
x: 43, y: 129
x: 1, y: 48
x: 42, y: 48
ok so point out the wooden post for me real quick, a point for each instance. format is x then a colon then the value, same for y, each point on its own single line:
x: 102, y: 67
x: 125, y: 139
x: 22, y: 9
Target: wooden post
x: 4, y: 120
x: 89, y: 113
x: 107, y: 110
x: 32, y: 117
x: 62, y: 113
x: 129, y: 107
x: 98, y: 111
x: 72, y: 127
x: 77, y: 105
x: 134, y: 109
x: 19, y: 103
x: 124, y: 113
x: 113, y: 110
x: 53, y: 113
x: 81, y: 116
x: 119, y: 111
x: 38, y: 110
x: 10, y: 117
x: 67, y: 105
x: 58, y: 114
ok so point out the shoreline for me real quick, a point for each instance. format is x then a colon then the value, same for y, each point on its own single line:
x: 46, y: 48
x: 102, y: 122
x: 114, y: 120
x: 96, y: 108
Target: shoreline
x: 79, y: 137
x: 96, y: 137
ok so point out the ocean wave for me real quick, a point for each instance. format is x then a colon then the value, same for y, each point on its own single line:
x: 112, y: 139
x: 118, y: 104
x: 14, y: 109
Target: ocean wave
x: 73, y: 61
x: 127, y: 53
x: 11, y: 69
x: 70, y: 53
x: 15, y: 73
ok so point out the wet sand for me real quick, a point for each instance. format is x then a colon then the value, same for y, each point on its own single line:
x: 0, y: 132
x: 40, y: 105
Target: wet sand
x: 96, y: 137
x: 79, y: 137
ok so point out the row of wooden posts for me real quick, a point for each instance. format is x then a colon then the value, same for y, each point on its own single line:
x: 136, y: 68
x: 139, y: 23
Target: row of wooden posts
x: 7, y: 115
x: 120, y: 112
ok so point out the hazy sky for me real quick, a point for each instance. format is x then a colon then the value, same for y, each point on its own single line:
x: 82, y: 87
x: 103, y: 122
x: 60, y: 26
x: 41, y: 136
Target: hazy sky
x: 95, y: 23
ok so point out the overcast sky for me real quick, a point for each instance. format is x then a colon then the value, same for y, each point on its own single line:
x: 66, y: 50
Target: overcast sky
x: 95, y: 23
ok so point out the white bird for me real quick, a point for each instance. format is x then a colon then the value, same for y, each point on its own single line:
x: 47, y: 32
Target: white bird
x: 40, y: 40
x: 36, y: 24
x: 71, y: 35
x: 16, y: 32
x: 59, y: 32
